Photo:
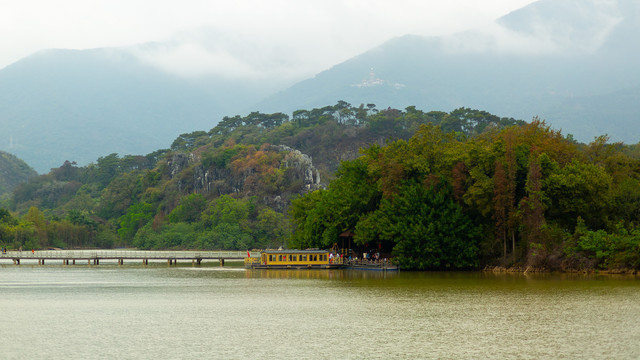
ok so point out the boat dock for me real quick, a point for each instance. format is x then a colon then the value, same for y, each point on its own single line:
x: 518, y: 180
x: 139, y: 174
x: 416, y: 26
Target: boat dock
x: 94, y: 257
x: 372, y: 265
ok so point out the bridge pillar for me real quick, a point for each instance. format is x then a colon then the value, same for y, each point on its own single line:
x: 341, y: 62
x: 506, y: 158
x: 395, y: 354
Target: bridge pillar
x: 221, y: 262
x: 74, y: 261
x: 145, y: 261
x: 199, y: 261
x: 120, y: 261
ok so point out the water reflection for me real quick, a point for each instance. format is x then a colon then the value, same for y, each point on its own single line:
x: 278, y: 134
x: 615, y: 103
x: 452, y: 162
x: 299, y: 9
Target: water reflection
x: 320, y: 274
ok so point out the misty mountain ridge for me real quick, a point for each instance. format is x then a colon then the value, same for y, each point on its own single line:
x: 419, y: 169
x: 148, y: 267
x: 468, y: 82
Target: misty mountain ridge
x: 571, y: 62
x: 59, y: 105
x: 541, y: 60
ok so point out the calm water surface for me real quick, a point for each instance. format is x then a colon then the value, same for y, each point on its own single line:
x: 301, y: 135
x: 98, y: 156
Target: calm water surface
x: 152, y: 312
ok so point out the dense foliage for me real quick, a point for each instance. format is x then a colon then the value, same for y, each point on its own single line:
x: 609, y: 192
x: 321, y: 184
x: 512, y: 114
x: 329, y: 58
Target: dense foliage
x: 226, y: 188
x: 436, y: 190
x: 522, y: 196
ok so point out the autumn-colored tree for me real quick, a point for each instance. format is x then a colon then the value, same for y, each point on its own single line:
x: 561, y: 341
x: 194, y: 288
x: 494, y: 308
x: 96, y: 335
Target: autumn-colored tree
x: 532, y: 209
x: 501, y: 206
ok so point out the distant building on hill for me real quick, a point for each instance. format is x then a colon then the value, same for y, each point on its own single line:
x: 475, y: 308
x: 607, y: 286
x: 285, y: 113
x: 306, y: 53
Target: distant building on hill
x: 372, y: 81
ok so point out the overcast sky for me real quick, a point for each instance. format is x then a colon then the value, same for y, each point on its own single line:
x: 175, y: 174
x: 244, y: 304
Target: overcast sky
x: 316, y: 33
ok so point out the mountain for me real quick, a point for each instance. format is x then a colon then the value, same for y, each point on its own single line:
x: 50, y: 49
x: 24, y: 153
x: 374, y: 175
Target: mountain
x: 571, y: 62
x: 544, y: 60
x: 615, y: 114
x: 59, y: 105
x: 13, y: 171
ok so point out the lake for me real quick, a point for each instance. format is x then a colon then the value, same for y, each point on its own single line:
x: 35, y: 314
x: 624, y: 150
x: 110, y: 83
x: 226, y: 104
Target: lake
x: 157, y: 311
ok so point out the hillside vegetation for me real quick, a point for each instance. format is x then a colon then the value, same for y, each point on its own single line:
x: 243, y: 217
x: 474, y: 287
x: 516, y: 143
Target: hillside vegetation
x: 524, y: 197
x: 435, y: 190
x: 13, y: 171
x: 226, y: 188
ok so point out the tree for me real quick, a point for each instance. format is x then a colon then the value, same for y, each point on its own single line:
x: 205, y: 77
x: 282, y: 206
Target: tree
x: 501, y: 206
x: 136, y: 217
x: 189, y: 210
x: 188, y: 141
x: 39, y: 222
x: 105, y: 169
x: 532, y: 209
x: 429, y: 229
x: 579, y: 190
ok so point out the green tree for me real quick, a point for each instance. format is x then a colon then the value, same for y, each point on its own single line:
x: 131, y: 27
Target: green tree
x: 579, y: 190
x: 189, y: 210
x: 39, y: 222
x: 136, y: 217
x: 428, y: 227
x: 272, y: 229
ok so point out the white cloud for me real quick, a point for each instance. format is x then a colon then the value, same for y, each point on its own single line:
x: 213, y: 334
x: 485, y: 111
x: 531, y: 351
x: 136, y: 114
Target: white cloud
x: 581, y: 26
x: 289, y: 38
x: 192, y: 59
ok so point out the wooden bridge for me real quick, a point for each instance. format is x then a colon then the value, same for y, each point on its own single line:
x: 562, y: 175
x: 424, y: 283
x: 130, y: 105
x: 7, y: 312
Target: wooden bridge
x: 94, y: 257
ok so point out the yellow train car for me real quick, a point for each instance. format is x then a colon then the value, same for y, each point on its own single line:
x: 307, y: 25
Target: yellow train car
x: 295, y: 259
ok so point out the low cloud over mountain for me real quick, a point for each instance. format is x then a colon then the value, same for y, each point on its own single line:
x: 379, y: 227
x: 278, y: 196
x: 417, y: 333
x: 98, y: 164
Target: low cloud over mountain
x: 540, y: 60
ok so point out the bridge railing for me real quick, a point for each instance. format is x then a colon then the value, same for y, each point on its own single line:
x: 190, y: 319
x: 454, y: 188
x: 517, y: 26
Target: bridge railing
x: 125, y: 254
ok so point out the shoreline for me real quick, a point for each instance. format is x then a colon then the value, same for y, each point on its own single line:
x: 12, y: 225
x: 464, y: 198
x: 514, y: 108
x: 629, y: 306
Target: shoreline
x: 531, y: 269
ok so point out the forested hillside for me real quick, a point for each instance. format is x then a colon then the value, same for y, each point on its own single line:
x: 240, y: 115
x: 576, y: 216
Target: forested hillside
x: 435, y: 190
x: 12, y: 172
x: 521, y: 197
x: 226, y: 188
